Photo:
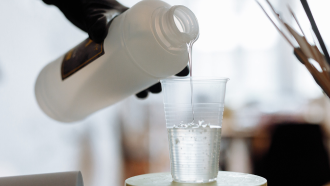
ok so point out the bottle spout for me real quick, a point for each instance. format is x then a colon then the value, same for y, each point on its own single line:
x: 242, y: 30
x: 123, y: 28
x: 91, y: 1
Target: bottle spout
x: 176, y: 26
x: 183, y: 23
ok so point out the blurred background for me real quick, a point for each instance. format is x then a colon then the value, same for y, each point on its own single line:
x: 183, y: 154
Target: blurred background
x: 268, y: 88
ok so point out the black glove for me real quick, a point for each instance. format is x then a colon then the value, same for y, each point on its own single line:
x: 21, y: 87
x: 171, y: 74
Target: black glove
x: 156, y: 88
x: 91, y: 16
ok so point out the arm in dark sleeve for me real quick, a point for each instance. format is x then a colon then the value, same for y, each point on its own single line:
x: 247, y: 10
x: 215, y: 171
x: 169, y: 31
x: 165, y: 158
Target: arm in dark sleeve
x: 91, y: 16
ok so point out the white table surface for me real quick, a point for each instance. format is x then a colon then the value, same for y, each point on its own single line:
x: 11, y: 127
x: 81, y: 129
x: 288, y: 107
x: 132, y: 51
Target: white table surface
x: 224, y: 179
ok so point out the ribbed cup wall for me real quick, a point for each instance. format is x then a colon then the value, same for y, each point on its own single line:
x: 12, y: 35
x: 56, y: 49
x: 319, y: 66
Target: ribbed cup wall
x: 210, y: 113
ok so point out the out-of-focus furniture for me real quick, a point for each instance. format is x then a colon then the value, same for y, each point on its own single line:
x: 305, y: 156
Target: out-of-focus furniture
x: 296, y: 156
x: 73, y: 178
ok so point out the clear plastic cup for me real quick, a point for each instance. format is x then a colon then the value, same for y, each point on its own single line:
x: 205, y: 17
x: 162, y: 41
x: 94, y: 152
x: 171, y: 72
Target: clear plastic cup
x: 194, y: 130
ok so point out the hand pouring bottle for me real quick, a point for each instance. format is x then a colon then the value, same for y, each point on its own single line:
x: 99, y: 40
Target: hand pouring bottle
x: 144, y: 44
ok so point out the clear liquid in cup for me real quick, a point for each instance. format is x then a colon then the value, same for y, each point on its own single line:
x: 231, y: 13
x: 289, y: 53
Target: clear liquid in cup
x: 194, y: 153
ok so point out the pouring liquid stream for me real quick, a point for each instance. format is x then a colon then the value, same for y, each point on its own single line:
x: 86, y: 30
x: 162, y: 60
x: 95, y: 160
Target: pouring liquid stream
x: 189, y: 47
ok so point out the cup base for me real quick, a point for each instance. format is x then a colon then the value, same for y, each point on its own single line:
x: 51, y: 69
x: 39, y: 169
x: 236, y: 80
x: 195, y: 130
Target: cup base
x: 195, y: 181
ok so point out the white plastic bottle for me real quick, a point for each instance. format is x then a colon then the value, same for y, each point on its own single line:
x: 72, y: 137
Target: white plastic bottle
x: 144, y: 44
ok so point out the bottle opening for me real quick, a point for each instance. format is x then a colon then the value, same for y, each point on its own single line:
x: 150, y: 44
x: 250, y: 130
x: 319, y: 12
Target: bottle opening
x: 178, y: 24
x: 175, y: 27
x: 185, y: 23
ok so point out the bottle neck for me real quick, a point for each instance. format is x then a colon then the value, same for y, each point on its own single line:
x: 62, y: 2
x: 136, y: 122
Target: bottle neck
x: 175, y: 27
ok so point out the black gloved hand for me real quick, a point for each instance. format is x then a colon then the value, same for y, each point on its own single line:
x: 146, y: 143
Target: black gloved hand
x: 156, y: 88
x: 91, y: 16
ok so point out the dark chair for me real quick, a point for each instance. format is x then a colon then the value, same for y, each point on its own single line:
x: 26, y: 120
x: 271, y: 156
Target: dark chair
x: 296, y: 157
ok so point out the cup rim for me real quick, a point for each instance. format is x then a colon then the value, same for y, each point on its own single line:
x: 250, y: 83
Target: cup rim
x: 194, y: 78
